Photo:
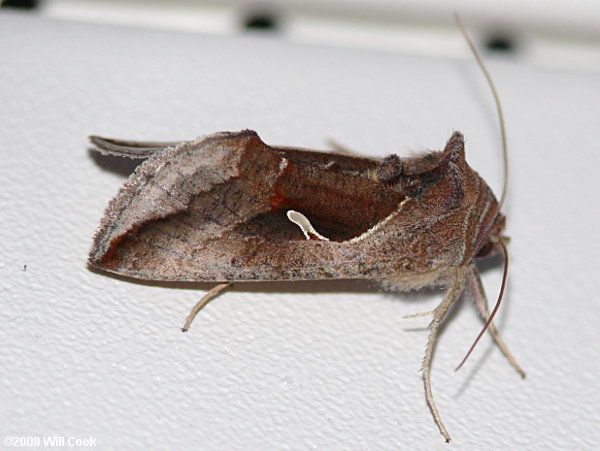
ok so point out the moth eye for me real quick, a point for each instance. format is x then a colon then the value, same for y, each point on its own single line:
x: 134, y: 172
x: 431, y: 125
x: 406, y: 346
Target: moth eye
x: 389, y: 170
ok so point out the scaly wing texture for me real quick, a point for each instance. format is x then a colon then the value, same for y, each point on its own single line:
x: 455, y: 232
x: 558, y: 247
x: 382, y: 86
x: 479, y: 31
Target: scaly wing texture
x: 215, y: 210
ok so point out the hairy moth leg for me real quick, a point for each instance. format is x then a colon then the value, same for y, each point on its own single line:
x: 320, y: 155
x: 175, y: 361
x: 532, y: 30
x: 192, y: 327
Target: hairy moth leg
x: 202, y: 302
x: 475, y: 289
x: 452, y: 294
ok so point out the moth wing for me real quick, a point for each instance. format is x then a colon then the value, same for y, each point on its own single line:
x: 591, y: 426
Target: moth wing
x: 215, y: 209
x: 131, y: 149
x: 145, y: 149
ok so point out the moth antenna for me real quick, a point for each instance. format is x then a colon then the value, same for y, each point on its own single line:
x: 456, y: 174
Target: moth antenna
x: 500, y: 296
x: 490, y: 83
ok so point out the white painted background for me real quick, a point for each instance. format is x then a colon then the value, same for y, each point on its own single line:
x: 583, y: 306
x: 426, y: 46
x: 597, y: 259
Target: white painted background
x: 308, y: 366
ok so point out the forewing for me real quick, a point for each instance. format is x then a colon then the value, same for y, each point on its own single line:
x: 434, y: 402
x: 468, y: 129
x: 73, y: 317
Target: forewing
x: 215, y: 210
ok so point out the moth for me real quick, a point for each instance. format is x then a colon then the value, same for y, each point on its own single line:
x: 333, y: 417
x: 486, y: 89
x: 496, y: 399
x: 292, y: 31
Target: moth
x: 229, y: 208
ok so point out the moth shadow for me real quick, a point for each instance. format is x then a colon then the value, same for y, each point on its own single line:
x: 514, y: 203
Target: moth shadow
x: 488, y: 263
x: 116, y: 164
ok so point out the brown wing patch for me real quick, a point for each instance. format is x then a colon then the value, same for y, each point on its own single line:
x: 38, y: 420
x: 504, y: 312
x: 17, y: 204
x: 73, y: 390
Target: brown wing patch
x: 178, y: 215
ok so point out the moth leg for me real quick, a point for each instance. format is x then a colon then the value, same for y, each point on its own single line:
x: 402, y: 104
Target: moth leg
x: 476, y: 290
x: 452, y: 294
x: 417, y: 315
x: 202, y: 302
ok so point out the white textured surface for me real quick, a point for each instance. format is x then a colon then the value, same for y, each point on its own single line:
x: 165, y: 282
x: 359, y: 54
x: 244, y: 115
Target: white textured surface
x: 312, y: 366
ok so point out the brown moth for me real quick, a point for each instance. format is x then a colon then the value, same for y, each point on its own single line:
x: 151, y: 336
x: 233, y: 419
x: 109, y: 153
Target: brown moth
x: 228, y: 208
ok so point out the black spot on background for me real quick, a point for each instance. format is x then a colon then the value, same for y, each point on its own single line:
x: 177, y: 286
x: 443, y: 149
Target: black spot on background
x: 20, y: 4
x: 500, y: 43
x: 261, y: 21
